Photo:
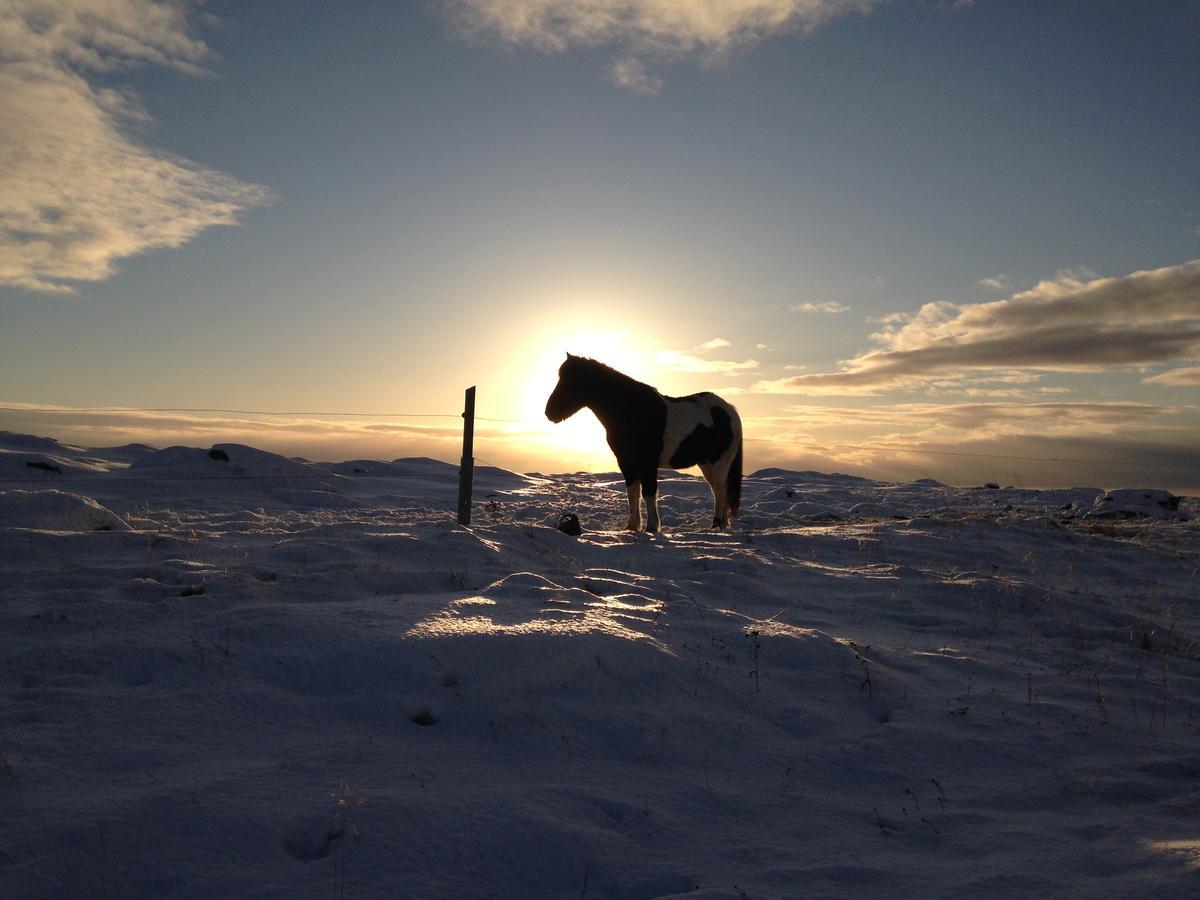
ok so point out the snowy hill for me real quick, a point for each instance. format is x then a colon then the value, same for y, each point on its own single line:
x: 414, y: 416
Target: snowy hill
x: 255, y: 676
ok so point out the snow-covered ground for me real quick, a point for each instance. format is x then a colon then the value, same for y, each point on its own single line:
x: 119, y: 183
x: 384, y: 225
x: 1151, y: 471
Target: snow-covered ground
x: 227, y: 673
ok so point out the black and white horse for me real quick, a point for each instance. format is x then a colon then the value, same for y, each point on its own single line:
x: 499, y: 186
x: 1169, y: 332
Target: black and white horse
x: 648, y: 431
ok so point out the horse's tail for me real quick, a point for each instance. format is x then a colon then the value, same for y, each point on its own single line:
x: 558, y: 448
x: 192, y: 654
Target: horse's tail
x: 733, y: 482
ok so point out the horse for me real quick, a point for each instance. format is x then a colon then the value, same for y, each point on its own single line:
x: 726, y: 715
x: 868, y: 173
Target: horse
x: 648, y: 431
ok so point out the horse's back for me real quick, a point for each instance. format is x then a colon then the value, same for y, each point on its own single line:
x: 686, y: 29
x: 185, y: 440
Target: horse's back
x: 701, y: 429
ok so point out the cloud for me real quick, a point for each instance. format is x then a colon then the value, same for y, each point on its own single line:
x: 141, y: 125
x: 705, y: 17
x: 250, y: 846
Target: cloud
x: 629, y: 73
x: 1186, y: 376
x: 77, y: 190
x: 967, y: 443
x: 976, y: 421
x: 1063, y: 325
x: 973, y: 421
x: 995, y: 283
x: 954, y: 390
x: 795, y: 385
x: 638, y: 29
x: 308, y: 435
x: 679, y: 361
x: 517, y: 445
x: 1035, y: 444
x: 714, y: 344
x: 828, y: 308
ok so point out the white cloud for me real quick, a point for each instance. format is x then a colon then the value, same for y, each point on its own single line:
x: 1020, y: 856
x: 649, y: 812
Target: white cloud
x: 629, y: 73
x: 638, y: 29
x: 827, y: 308
x: 714, y: 344
x: 77, y: 191
x: 679, y: 361
x: 1064, y: 325
x: 995, y: 283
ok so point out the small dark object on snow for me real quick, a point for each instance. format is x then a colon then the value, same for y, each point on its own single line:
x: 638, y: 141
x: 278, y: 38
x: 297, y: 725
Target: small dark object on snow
x: 568, y: 523
x: 214, y: 453
x: 424, y: 718
x: 44, y: 466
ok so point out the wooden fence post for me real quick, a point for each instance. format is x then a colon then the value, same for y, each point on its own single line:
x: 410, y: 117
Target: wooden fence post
x: 466, y: 470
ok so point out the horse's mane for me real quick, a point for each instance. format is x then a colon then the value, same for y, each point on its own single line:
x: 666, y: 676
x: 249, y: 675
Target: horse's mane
x: 600, y: 371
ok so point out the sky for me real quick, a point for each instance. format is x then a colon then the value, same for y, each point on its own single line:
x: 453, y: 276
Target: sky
x: 907, y: 238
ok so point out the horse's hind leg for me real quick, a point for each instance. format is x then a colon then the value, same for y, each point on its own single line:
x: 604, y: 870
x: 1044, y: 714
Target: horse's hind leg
x: 635, y: 505
x: 715, y: 477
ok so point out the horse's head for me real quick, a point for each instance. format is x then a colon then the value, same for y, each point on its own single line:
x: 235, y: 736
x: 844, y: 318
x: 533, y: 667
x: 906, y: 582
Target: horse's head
x: 570, y: 393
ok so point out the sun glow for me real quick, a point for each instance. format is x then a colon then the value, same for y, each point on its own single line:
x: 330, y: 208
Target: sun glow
x: 580, y: 439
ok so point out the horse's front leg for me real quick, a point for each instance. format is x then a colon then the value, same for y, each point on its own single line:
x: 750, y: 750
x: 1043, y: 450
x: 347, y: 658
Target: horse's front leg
x: 635, y: 505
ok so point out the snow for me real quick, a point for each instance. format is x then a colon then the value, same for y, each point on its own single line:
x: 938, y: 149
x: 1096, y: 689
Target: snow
x: 56, y: 511
x: 1137, y: 503
x: 271, y: 677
